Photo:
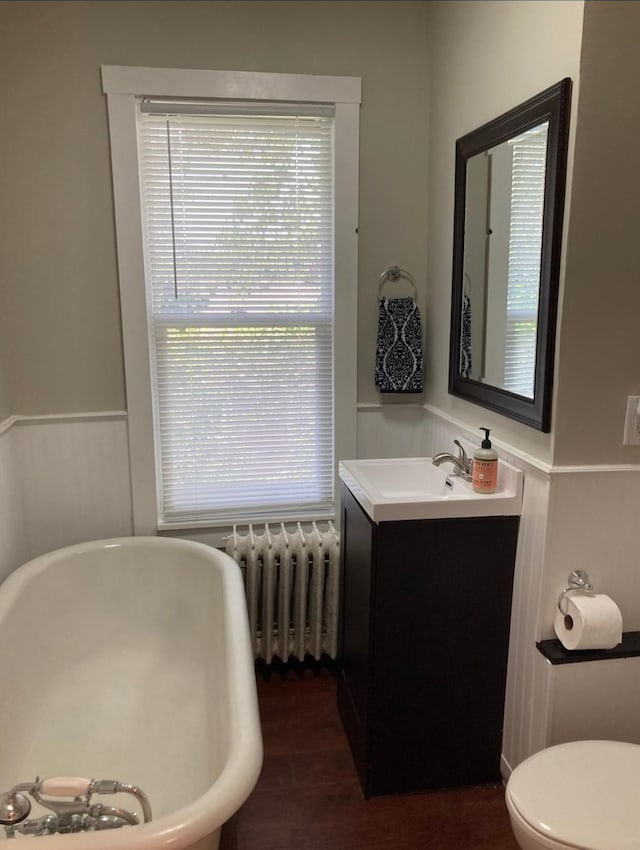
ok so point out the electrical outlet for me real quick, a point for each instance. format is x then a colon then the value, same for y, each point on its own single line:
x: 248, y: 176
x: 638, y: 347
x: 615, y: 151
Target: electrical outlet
x: 632, y: 422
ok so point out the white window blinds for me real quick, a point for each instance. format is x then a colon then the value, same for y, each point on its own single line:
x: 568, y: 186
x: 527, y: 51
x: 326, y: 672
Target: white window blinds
x: 238, y: 224
x: 525, y: 246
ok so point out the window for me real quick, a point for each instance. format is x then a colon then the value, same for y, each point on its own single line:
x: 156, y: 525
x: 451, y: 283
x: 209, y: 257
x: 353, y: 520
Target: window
x: 245, y: 214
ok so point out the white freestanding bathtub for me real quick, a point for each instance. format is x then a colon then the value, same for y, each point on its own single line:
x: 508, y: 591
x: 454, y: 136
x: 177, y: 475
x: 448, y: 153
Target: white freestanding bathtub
x: 129, y: 659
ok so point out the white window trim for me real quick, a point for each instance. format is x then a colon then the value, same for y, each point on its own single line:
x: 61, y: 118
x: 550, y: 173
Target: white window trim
x: 123, y: 85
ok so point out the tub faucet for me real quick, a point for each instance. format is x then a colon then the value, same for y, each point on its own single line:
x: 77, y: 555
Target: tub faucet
x: 461, y: 462
x: 76, y: 815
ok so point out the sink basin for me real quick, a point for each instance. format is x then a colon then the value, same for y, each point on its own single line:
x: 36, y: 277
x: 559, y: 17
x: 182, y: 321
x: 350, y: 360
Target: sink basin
x: 391, y: 489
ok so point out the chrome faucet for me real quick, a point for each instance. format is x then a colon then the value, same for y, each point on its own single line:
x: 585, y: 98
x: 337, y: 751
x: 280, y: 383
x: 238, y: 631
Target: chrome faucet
x: 76, y: 815
x: 461, y: 462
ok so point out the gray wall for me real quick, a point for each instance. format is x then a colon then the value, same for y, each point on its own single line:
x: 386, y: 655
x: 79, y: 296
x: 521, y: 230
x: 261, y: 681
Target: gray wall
x: 599, y: 358
x: 486, y: 57
x: 5, y: 407
x: 61, y: 341
x: 466, y: 61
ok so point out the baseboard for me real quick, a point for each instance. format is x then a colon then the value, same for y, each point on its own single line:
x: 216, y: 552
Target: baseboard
x: 505, y: 769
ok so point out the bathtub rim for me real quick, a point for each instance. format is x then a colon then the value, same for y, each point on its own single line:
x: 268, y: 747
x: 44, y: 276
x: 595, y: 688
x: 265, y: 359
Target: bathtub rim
x: 206, y: 814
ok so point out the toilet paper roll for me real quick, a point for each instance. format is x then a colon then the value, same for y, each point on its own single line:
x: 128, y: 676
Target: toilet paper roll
x: 591, y: 621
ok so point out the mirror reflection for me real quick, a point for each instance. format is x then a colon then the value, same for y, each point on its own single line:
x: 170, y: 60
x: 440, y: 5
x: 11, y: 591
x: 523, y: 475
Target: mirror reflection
x: 502, y: 253
x: 507, y: 233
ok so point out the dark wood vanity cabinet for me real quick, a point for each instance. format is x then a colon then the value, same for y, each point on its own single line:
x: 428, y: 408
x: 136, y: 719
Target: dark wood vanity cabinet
x: 425, y: 613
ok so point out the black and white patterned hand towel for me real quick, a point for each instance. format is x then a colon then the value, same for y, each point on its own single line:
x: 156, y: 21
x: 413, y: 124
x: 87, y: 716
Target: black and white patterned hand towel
x: 466, y: 365
x: 399, y: 346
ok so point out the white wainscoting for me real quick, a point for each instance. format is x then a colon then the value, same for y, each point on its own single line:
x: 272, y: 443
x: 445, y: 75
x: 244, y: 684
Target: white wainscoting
x: 14, y: 549
x: 66, y: 479
x: 594, y: 700
x: 75, y: 473
x: 593, y: 524
x: 406, y: 430
x: 391, y: 430
x: 63, y: 480
x: 525, y: 722
x: 593, y: 519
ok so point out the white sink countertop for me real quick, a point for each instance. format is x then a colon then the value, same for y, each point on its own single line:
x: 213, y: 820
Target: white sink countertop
x: 391, y: 489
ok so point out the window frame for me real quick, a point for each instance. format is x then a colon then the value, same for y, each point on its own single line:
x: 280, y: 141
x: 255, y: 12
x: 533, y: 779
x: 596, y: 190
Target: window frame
x: 123, y: 86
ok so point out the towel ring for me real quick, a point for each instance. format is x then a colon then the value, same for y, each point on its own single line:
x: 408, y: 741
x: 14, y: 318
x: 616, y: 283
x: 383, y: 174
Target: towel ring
x: 395, y: 273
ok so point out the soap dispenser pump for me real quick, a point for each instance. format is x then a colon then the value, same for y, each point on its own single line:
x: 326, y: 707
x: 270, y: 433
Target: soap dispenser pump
x: 485, y: 466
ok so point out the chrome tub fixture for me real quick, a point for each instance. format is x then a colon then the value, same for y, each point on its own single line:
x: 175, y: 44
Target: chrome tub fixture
x: 77, y: 814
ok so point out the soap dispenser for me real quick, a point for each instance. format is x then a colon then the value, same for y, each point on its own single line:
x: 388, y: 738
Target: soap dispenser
x: 485, y: 466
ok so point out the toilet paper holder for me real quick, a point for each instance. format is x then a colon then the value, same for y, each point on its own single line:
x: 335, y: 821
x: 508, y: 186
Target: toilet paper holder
x: 578, y: 580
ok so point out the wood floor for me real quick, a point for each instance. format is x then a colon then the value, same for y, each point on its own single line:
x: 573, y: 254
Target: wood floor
x: 308, y: 797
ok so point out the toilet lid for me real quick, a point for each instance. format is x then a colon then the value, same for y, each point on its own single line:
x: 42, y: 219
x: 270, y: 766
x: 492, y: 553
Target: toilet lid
x: 584, y: 794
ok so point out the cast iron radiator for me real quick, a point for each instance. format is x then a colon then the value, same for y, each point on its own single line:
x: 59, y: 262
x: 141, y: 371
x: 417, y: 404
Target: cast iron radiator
x: 292, y: 585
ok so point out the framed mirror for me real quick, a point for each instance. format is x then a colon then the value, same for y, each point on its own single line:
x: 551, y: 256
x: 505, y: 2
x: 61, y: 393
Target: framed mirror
x: 509, y: 201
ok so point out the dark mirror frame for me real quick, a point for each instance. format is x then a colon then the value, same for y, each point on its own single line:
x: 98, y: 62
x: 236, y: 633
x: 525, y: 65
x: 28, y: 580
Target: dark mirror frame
x: 553, y: 105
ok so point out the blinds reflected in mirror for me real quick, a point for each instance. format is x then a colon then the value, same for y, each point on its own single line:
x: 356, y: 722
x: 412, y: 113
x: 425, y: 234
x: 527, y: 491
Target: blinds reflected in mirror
x: 529, y: 152
x: 502, y: 262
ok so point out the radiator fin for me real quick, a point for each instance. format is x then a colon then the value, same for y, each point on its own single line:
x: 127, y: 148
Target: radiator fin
x: 292, y: 583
